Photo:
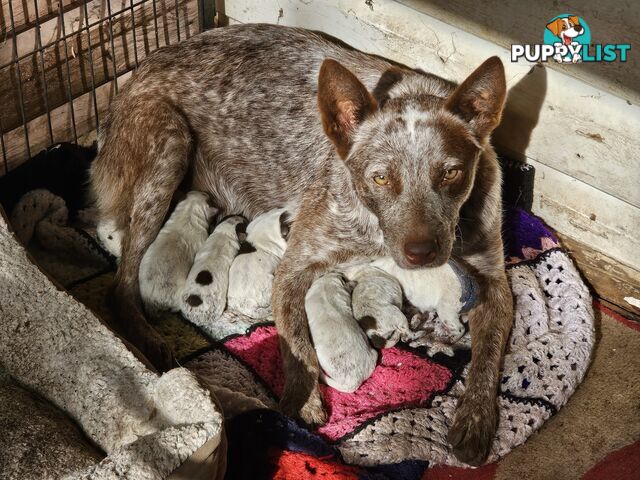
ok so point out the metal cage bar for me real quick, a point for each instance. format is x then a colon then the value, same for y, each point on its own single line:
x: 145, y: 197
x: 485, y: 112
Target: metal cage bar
x: 42, y: 72
x: 66, y: 64
x: 113, y: 47
x: 19, y: 80
x: 87, y: 29
x: 155, y: 22
x: 133, y: 33
x: 50, y: 98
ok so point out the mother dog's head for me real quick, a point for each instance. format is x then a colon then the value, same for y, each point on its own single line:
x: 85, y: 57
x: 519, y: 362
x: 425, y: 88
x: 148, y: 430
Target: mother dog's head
x: 413, y: 154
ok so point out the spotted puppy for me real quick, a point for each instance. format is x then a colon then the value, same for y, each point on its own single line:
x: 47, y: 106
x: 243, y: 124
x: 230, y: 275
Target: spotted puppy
x: 251, y: 274
x: 167, y: 261
x: 343, y: 350
x: 204, y: 296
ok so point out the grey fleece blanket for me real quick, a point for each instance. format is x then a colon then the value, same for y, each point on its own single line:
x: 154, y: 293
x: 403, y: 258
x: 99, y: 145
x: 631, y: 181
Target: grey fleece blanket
x: 146, y: 424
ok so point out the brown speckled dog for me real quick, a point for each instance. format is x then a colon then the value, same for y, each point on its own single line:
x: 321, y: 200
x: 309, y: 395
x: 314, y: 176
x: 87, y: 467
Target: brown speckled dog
x: 370, y: 157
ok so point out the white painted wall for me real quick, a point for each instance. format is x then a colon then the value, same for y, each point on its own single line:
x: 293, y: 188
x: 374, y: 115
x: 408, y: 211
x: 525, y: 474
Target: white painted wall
x: 584, y: 142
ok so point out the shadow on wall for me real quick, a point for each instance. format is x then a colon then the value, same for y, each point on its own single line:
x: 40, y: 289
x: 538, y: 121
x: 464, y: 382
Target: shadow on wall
x: 512, y: 137
x: 514, y: 22
x: 521, y: 114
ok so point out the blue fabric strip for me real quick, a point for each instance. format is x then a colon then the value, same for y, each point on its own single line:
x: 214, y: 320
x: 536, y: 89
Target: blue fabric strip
x: 469, y: 285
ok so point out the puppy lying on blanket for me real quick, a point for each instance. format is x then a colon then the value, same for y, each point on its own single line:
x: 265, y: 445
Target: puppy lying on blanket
x: 447, y: 290
x: 204, y: 296
x: 344, y: 353
x: 251, y: 274
x: 376, y: 303
x: 235, y: 272
x: 344, y: 307
x: 169, y: 258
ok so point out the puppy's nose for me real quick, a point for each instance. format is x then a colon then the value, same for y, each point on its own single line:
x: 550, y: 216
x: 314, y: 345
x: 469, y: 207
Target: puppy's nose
x: 578, y: 28
x: 421, y: 252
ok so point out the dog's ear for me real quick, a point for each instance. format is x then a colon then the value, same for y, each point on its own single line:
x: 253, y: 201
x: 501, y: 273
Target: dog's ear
x: 575, y: 20
x: 479, y: 100
x: 555, y: 26
x: 344, y: 103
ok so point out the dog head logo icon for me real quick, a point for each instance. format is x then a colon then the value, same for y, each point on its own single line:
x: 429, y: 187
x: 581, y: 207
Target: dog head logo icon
x: 569, y: 31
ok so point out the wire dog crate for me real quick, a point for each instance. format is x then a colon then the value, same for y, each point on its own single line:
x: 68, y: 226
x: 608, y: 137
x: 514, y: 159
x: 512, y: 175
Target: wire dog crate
x: 62, y: 61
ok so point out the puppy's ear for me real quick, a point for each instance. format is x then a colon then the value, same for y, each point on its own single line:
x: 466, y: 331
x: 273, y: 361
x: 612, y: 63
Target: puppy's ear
x: 555, y: 26
x: 285, y: 225
x: 574, y: 19
x: 343, y: 102
x: 479, y: 100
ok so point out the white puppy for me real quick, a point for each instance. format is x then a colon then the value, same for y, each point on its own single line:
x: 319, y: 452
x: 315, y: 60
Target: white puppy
x: 168, y: 259
x: 441, y: 289
x: 343, y: 349
x: 251, y: 274
x: 377, y: 305
x: 204, y: 296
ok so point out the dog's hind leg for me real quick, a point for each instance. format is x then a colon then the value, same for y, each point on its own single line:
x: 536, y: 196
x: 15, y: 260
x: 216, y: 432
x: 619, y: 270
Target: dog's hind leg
x: 142, y: 161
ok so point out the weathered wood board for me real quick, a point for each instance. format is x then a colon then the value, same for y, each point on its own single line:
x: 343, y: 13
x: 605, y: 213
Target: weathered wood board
x: 82, y: 47
x: 84, y: 112
x: 84, y: 51
x: 25, y: 15
x: 617, y: 285
x: 583, y: 140
x: 507, y: 23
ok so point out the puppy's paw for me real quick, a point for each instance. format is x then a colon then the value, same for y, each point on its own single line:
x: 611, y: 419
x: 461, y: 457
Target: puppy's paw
x: 473, y: 430
x: 309, y: 410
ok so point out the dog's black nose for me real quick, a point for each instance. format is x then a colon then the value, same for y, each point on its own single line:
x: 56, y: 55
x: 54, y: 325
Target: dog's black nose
x: 578, y: 28
x: 421, y: 252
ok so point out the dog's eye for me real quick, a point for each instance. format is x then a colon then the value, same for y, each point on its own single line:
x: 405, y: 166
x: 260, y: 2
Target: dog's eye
x: 451, y: 174
x: 564, y: 27
x: 381, y: 180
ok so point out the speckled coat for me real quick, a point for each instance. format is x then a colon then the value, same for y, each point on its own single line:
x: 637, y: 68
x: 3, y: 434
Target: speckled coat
x: 371, y: 158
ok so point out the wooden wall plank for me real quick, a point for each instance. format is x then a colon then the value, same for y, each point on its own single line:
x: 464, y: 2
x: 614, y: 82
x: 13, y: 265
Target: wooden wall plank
x: 61, y: 122
x: 587, y: 214
x: 507, y: 23
x: 24, y: 14
x: 616, y: 284
x: 55, y: 70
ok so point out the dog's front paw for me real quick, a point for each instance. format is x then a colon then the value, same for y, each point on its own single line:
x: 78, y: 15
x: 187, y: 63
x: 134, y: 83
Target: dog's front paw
x: 309, y: 410
x: 473, y: 430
